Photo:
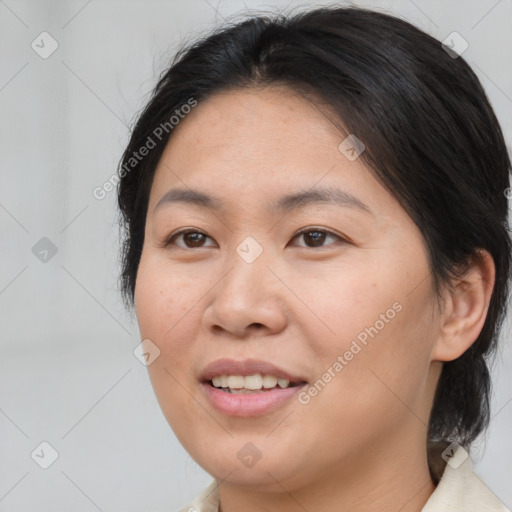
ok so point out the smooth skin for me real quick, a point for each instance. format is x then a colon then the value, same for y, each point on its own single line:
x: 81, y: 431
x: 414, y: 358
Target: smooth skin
x: 360, y: 443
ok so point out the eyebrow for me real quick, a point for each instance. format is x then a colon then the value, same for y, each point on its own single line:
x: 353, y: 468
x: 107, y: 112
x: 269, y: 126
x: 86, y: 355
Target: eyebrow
x: 284, y: 204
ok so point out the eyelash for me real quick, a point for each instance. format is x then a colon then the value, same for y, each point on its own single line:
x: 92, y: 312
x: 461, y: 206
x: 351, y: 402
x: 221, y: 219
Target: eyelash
x: 170, y: 239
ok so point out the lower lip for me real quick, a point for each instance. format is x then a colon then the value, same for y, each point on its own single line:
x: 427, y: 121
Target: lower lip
x: 249, y: 404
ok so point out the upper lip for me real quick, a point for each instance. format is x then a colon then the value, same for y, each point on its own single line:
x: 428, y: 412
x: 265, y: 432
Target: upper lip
x: 246, y: 367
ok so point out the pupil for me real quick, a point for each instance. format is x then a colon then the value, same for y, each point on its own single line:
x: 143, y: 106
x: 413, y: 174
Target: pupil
x: 316, y: 239
x: 197, y: 237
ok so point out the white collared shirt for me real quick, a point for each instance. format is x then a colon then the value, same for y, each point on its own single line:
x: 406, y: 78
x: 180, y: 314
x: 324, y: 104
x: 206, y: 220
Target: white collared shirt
x: 458, y: 490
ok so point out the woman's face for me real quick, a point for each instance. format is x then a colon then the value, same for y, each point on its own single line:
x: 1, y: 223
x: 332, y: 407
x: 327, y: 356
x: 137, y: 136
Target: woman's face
x: 345, y: 308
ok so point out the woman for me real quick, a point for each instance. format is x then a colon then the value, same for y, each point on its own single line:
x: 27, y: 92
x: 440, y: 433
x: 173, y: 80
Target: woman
x: 317, y: 251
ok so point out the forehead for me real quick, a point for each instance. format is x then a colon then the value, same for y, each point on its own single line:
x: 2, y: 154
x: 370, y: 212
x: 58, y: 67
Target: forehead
x: 276, y: 118
x: 254, y: 130
x: 260, y: 143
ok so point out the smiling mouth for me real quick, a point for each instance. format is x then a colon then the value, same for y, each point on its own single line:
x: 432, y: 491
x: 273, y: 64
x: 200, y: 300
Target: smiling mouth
x: 250, y: 395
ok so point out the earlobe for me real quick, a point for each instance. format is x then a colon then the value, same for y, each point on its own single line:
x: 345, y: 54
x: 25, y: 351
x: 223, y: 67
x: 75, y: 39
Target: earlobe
x: 465, y: 309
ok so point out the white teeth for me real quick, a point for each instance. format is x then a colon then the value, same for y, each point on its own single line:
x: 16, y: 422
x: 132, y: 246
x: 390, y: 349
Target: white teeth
x: 269, y: 381
x: 235, y: 381
x: 283, y: 383
x: 251, y: 382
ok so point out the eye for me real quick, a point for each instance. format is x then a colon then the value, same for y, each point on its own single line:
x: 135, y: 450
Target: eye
x: 195, y: 239
x: 317, y: 237
x: 191, y: 237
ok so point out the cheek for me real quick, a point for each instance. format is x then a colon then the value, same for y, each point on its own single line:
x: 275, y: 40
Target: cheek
x: 166, y: 304
x: 343, y: 303
x: 375, y: 337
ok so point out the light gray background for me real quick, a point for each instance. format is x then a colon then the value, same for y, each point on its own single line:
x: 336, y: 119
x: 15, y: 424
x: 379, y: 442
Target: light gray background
x: 68, y: 375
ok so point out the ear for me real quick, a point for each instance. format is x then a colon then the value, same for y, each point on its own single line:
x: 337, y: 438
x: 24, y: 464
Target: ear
x: 465, y: 308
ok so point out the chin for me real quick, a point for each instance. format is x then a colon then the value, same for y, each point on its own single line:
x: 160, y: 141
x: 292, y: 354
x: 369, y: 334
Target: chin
x: 234, y: 465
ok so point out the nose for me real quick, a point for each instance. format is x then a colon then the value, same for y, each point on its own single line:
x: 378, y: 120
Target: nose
x: 248, y: 300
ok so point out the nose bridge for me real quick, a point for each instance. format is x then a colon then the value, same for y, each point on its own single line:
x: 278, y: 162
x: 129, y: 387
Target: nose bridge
x: 249, y: 264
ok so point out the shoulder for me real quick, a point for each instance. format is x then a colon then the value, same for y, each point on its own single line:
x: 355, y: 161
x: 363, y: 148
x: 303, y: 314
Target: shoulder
x: 462, y: 489
x: 207, y: 501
